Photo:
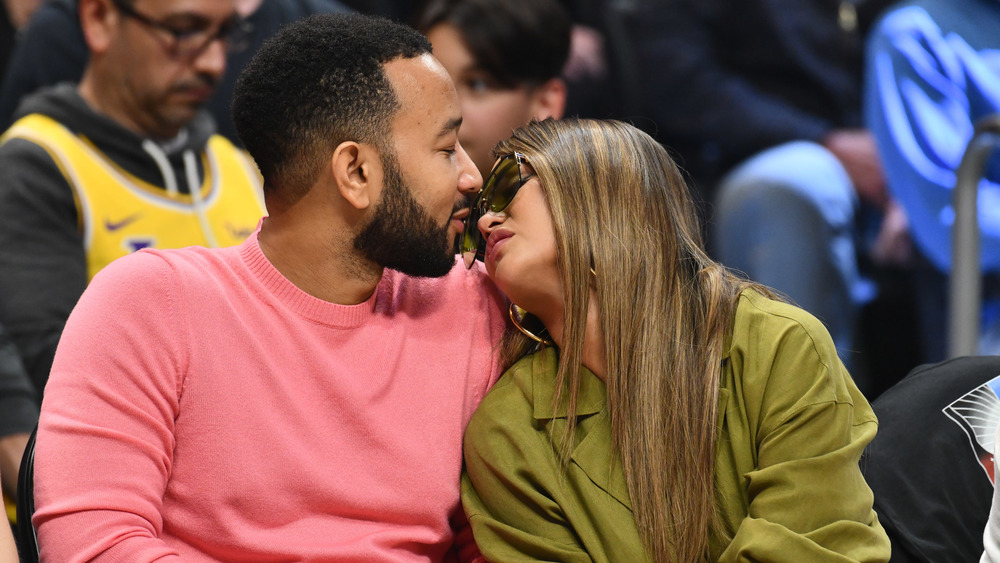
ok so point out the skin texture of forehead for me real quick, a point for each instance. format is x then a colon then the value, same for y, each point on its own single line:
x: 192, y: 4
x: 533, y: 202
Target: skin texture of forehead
x: 209, y: 9
x: 425, y: 92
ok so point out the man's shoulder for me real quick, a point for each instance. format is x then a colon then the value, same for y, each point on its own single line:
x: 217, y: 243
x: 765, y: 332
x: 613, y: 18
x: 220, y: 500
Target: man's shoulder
x: 53, y: 107
x: 157, y: 265
x: 28, y: 163
x: 16, y: 150
x: 33, y: 135
x: 198, y: 258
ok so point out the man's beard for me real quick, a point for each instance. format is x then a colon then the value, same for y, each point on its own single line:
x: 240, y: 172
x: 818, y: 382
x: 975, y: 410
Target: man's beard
x: 401, y: 234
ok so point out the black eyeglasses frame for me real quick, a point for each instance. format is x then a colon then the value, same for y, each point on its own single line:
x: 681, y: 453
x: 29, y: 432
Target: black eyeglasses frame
x: 189, y: 44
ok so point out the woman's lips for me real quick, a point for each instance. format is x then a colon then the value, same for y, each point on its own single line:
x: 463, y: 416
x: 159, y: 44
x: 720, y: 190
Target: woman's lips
x: 495, y: 239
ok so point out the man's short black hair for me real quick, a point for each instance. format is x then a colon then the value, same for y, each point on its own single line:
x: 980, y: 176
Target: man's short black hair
x: 316, y: 83
x: 517, y: 42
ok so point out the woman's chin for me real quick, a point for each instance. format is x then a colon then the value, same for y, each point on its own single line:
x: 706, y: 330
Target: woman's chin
x: 503, y: 282
x: 491, y: 269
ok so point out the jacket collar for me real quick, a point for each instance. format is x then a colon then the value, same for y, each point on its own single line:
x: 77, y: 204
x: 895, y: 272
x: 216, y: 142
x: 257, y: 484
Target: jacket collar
x: 594, y: 454
x: 591, y: 398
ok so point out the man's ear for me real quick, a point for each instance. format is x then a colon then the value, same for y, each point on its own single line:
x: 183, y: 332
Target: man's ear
x: 98, y: 21
x: 357, y: 172
x: 549, y: 100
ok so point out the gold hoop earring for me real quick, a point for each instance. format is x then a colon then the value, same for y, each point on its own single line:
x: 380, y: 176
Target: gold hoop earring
x: 517, y: 317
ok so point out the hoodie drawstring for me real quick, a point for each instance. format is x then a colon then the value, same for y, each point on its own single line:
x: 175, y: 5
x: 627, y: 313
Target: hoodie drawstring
x: 191, y: 168
x: 194, y: 186
x: 160, y: 158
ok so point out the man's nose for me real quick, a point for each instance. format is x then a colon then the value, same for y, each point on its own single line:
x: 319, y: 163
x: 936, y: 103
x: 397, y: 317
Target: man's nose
x: 470, y: 180
x: 212, y: 59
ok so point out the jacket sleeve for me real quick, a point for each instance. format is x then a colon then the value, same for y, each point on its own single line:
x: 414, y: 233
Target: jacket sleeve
x: 924, y: 91
x: 41, y: 254
x: 515, y: 520
x: 105, y: 441
x: 808, y: 500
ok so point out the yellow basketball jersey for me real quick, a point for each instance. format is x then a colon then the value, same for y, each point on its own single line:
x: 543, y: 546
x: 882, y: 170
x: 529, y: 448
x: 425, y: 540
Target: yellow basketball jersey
x: 120, y: 213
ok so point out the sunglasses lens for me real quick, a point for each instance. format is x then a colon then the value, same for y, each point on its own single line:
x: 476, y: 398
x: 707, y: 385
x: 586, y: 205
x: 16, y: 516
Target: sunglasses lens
x: 498, y: 191
x: 508, y: 181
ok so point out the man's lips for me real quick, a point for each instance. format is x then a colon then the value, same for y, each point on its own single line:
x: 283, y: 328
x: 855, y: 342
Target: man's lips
x: 458, y: 218
x: 199, y: 91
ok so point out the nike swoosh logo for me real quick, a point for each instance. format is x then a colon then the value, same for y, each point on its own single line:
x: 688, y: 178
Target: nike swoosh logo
x: 114, y: 226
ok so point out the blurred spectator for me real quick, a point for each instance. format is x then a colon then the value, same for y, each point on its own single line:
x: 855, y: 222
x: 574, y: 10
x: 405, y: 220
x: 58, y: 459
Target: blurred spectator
x: 762, y: 101
x: 505, y: 58
x: 18, y: 413
x: 931, y: 464
x: 601, y: 72
x: 399, y: 10
x: 13, y: 15
x: 127, y: 160
x: 934, y: 70
x: 17, y: 12
x: 51, y: 49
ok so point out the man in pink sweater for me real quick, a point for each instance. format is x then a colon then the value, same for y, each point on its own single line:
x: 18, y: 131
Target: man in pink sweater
x: 302, y: 396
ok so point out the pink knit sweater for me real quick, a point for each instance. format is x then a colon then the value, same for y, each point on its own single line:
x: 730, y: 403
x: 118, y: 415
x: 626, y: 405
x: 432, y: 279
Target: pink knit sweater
x: 201, y: 407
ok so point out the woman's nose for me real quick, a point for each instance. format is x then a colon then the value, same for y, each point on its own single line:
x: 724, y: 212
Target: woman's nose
x: 490, y: 220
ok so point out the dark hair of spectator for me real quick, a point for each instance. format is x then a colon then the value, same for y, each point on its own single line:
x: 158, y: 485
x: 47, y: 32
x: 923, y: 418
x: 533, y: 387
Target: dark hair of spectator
x: 517, y: 42
x: 315, y: 84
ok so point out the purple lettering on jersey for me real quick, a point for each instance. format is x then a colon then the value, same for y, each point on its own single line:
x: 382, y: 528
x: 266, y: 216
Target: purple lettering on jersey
x: 135, y: 245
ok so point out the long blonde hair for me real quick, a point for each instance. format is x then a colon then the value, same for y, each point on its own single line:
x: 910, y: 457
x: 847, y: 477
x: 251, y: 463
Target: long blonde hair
x: 619, y: 204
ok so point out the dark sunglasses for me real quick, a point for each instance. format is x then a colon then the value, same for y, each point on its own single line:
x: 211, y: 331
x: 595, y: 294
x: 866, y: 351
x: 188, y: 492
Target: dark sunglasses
x: 498, y: 191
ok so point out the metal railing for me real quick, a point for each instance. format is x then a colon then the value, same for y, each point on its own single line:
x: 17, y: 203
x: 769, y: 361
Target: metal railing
x: 965, y: 292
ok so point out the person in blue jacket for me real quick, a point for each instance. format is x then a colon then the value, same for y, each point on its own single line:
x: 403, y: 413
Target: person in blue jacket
x: 932, y: 71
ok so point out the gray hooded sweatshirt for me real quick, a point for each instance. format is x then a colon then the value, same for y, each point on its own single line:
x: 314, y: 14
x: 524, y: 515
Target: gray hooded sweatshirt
x: 43, y: 263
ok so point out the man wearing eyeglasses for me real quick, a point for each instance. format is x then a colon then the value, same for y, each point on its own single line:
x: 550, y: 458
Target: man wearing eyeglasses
x: 125, y: 160
x: 51, y: 48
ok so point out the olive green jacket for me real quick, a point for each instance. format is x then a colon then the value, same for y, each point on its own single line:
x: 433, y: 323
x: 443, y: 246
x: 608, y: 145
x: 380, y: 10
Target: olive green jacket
x: 792, y: 426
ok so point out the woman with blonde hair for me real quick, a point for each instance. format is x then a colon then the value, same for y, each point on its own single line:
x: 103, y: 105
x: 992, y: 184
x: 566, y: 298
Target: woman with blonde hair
x: 659, y: 408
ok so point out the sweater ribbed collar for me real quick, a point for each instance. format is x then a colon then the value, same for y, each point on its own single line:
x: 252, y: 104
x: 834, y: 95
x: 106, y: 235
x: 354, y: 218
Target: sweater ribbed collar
x: 303, y: 304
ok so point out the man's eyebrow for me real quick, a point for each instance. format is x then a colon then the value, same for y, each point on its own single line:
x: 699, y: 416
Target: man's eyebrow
x: 451, y: 125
